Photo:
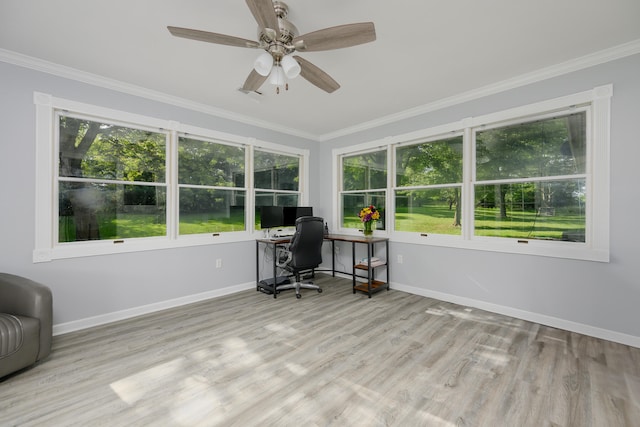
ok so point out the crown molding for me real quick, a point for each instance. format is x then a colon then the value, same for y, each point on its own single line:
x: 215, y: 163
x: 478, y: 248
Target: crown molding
x: 596, y: 58
x: 130, y: 89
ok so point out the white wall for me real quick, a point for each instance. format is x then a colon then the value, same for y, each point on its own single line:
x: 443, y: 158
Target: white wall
x: 599, y: 299
x: 97, y: 289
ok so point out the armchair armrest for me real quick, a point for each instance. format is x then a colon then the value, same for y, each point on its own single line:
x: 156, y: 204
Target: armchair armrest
x: 24, y: 297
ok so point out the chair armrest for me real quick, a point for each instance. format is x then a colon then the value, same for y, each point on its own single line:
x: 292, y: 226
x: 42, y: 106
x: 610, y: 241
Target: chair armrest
x: 24, y: 297
x: 283, y: 257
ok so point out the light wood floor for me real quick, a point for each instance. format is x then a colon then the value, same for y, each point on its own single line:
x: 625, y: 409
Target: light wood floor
x: 329, y: 359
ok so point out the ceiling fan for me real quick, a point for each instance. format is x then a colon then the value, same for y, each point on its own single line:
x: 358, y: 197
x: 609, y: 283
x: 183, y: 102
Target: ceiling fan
x: 279, y: 39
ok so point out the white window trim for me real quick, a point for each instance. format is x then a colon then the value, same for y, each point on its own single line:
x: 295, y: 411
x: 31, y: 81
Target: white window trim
x: 337, y: 185
x: 46, y: 248
x: 596, y: 247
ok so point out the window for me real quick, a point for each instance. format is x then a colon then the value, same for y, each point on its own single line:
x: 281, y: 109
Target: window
x: 110, y: 181
x: 276, y: 179
x: 364, y: 183
x: 429, y: 186
x: 531, y: 180
x: 211, y: 186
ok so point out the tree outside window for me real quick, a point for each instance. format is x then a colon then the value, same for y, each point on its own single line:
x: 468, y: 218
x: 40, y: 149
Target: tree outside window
x: 276, y: 179
x: 428, y: 187
x: 531, y: 179
x: 111, y: 181
x: 211, y: 186
x: 364, y: 182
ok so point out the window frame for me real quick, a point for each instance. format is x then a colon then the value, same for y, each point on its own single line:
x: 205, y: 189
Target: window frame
x: 597, y: 103
x: 302, y: 192
x: 179, y: 186
x: 46, y: 246
x: 339, y: 221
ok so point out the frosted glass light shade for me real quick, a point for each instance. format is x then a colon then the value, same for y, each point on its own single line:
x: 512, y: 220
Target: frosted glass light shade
x: 263, y: 64
x: 277, y: 76
x: 290, y: 66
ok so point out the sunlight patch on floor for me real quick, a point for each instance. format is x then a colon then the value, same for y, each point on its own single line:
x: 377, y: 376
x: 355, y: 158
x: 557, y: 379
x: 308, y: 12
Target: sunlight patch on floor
x: 297, y: 369
x: 134, y: 387
x: 281, y: 328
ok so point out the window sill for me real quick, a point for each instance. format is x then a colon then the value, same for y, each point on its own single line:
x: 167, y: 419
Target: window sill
x: 110, y: 247
x: 554, y: 249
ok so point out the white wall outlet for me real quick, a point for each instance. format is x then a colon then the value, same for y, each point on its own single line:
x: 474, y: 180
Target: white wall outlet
x: 400, y: 259
x: 219, y: 263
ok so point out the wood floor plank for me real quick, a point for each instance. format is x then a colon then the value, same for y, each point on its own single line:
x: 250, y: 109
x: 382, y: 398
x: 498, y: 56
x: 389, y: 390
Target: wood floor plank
x: 328, y: 359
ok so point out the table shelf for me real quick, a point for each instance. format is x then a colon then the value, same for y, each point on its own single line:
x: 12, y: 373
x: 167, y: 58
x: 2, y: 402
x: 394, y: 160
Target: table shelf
x: 375, y: 286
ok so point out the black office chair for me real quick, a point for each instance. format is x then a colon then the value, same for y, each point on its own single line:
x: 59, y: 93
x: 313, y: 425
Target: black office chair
x: 304, y: 252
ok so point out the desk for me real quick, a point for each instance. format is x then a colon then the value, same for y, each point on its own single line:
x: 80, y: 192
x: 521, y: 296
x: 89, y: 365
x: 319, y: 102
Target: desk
x: 370, y: 287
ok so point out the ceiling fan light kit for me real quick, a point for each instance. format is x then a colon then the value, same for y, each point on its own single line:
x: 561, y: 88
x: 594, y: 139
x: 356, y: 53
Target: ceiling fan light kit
x: 263, y: 64
x: 290, y: 66
x: 279, y: 39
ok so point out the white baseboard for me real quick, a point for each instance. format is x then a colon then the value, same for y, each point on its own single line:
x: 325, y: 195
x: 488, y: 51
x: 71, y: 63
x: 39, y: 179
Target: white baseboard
x: 115, y: 316
x: 542, y: 319
x: 554, y: 322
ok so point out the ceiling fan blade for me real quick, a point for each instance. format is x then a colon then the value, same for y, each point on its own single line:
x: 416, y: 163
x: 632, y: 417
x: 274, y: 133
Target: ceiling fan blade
x: 253, y: 82
x: 265, y: 15
x: 206, y: 36
x: 316, y: 76
x: 336, y: 37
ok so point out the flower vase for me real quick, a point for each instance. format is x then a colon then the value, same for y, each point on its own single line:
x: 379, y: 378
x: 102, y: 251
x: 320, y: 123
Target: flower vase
x: 367, y: 228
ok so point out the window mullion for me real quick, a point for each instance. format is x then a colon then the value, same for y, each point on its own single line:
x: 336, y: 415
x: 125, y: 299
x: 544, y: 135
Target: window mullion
x: 468, y: 178
x: 172, y: 185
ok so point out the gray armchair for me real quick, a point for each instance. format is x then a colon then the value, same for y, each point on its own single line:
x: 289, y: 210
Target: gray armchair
x: 26, y: 322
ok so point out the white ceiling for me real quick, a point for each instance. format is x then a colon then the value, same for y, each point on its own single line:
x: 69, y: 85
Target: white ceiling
x: 426, y: 50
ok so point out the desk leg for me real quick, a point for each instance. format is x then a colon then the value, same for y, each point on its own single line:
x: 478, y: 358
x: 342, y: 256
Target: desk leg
x: 257, y: 265
x: 353, y: 265
x: 274, y: 271
x: 388, y: 263
x: 369, y: 272
x: 333, y: 258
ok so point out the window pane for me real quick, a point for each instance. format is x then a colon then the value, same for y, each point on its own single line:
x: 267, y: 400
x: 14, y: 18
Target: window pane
x: 550, y: 210
x: 97, y: 150
x: 211, y: 211
x: 434, y: 210
x: 364, y: 171
x: 276, y: 171
x: 550, y: 147
x: 437, y: 162
x: 208, y: 163
x: 352, y: 203
x: 89, y: 211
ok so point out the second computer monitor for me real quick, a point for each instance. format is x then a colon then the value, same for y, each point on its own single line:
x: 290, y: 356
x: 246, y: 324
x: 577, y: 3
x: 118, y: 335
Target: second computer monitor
x: 271, y: 216
x: 291, y: 213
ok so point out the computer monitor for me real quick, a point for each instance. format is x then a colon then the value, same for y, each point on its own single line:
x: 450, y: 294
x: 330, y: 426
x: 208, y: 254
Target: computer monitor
x: 291, y: 213
x: 271, y: 216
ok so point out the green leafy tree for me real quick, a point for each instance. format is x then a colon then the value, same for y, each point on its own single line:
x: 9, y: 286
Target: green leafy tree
x: 433, y: 163
x: 100, y: 151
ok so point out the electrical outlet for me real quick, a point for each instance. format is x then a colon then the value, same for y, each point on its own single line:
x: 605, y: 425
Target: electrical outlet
x: 337, y: 250
x: 219, y: 263
x: 400, y: 259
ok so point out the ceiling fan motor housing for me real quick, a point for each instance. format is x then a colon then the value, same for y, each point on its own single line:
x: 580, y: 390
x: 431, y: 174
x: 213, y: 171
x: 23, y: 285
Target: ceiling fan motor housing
x: 280, y: 46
